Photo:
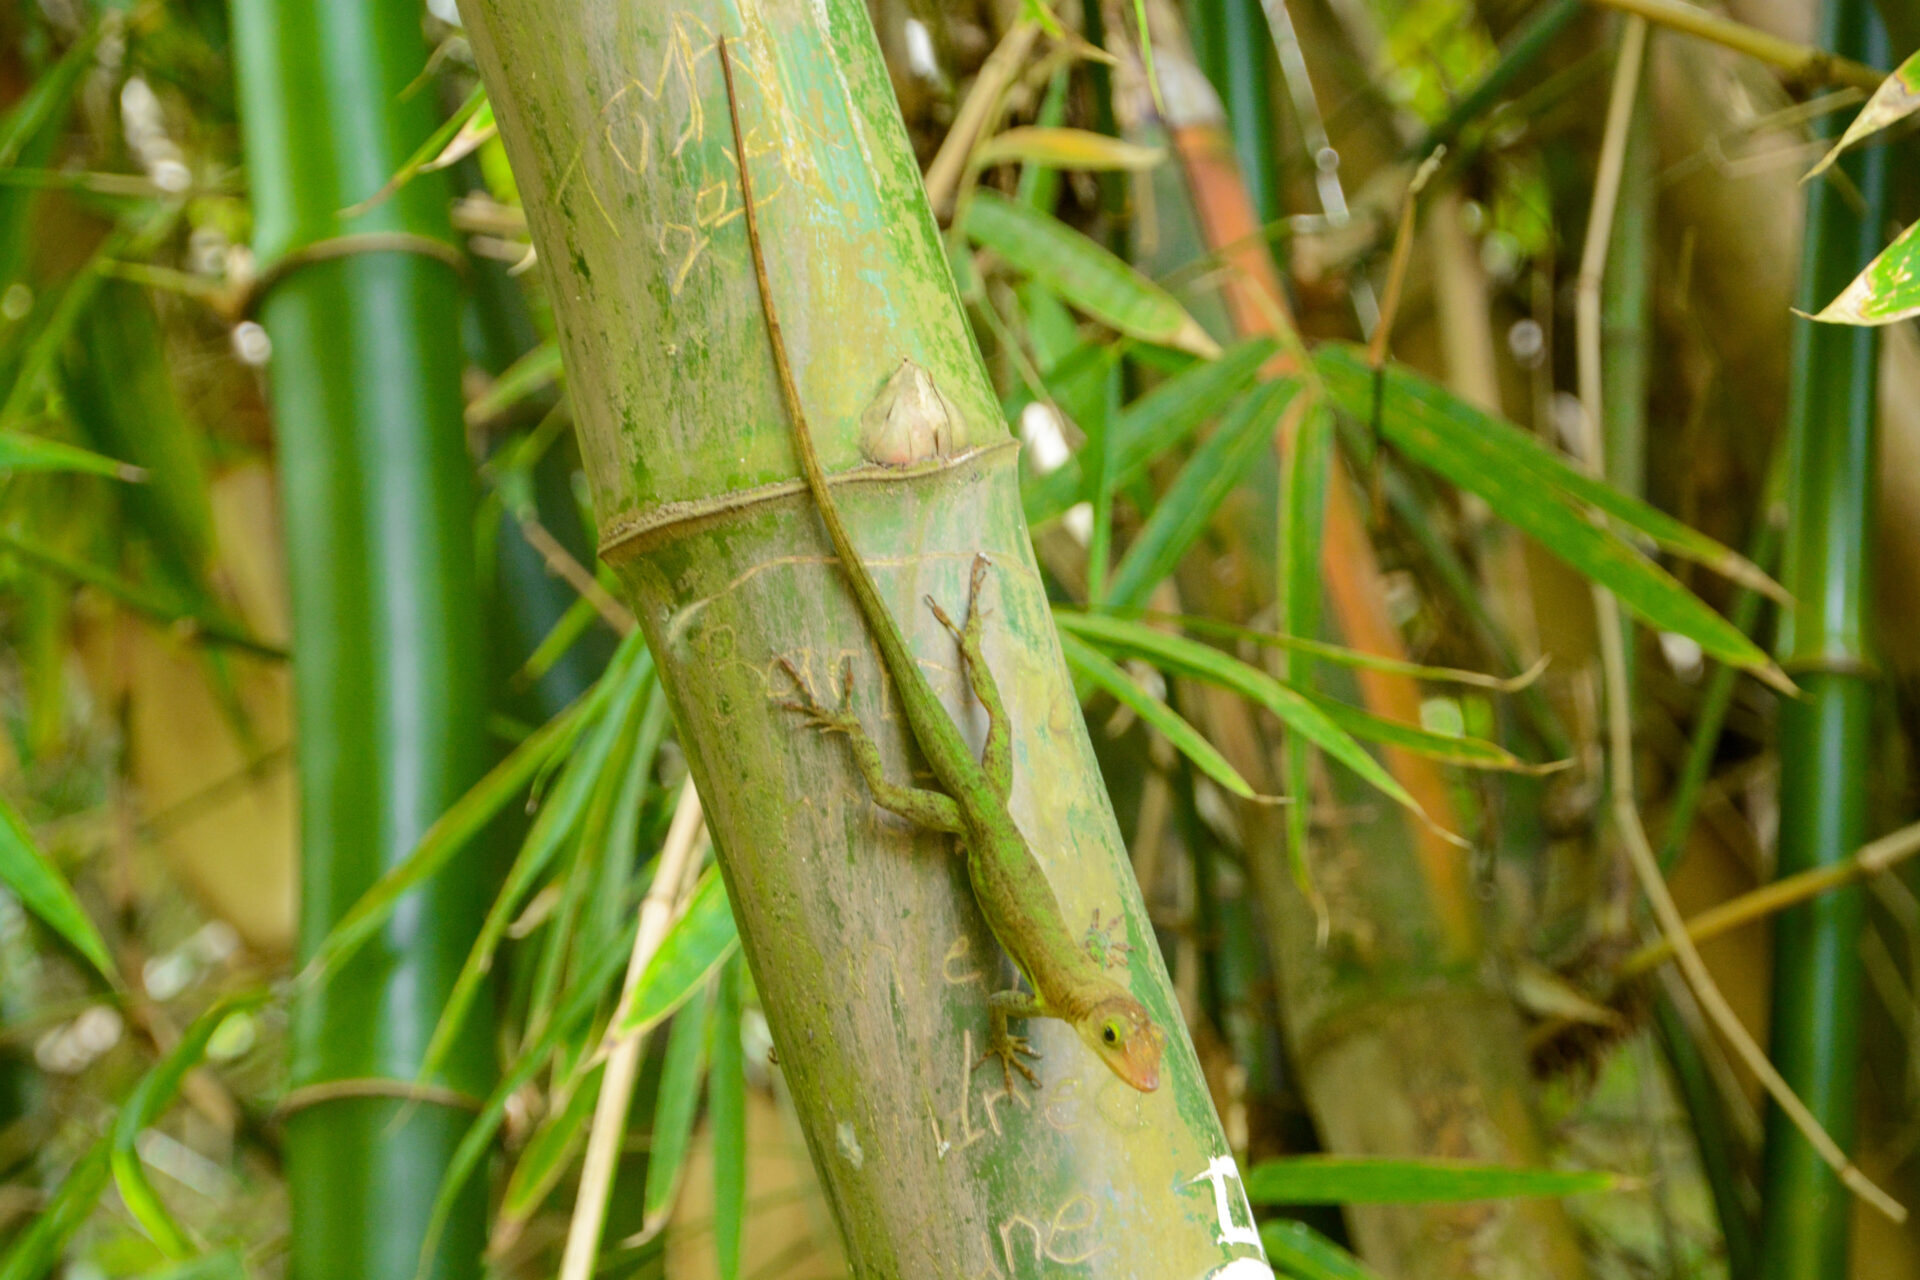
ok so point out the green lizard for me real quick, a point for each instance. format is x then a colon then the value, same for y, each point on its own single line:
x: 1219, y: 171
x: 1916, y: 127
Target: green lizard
x: 1012, y: 890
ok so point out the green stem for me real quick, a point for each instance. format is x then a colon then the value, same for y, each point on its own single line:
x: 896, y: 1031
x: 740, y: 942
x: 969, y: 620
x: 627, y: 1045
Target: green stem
x: 389, y: 685
x: 1825, y: 735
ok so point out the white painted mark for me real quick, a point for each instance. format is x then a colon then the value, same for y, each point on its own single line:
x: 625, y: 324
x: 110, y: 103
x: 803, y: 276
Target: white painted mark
x: 1220, y: 1171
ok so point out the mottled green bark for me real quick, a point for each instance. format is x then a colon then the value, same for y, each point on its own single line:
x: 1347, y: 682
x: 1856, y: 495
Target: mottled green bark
x: 866, y: 946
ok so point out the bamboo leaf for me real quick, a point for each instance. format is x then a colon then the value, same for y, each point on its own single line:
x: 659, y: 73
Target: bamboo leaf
x: 673, y: 1109
x: 1207, y: 663
x: 37, y: 1250
x: 533, y: 372
x: 559, y: 818
x: 694, y: 946
x: 145, y: 1104
x: 1084, y: 274
x: 224, y: 1265
x: 52, y: 92
x: 1467, y: 752
x: 1535, y: 490
x: 595, y: 976
x: 1297, y: 1250
x: 1106, y: 674
x: 1183, y: 513
x: 20, y: 451
x: 1305, y: 472
x: 549, y: 1151
x: 1897, y: 98
x: 444, y: 146
x: 727, y: 1112
x: 1359, y: 1180
x: 455, y: 828
x: 1886, y: 291
x: 33, y: 878
x: 1061, y: 148
x: 1153, y: 424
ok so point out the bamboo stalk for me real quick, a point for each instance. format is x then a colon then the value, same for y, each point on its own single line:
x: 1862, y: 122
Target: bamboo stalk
x: 1826, y: 736
x: 1812, y: 66
x: 389, y: 679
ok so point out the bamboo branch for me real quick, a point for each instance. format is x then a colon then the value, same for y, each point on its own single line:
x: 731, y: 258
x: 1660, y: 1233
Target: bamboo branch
x: 1801, y: 62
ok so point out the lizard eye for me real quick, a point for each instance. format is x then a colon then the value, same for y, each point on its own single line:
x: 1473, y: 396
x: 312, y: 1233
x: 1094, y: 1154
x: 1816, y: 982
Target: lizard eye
x: 1110, y: 1033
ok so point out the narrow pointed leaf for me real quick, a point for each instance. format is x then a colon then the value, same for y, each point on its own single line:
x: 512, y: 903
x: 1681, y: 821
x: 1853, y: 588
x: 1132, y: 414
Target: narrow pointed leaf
x: 144, y: 1105
x: 1105, y: 674
x: 1062, y: 148
x: 33, y: 878
x: 694, y: 946
x: 1204, y: 662
x: 1468, y: 753
x: 36, y: 1252
x: 1888, y: 290
x: 727, y: 1111
x: 550, y: 1150
x: 1298, y: 1251
x: 22, y: 452
x: 1897, y: 98
x: 1084, y: 274
x: 674, y: 1107
x: 1356, y: 1180
x: 1535, y: 490
x: 559, y: 818
x: 1155, y: 423
x: 596, y: 976
x: 1189, y: 504
x: 455, y: 829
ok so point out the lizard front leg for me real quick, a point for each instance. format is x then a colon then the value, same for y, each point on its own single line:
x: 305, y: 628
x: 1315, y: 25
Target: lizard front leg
x: 996, y: 757
x: 932, y: 809
x: 1002, y: 1043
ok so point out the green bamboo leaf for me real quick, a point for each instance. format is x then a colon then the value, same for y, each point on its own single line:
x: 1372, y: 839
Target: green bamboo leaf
x: 1062, y: 148
x: 1207, y: 663
x: 1897, y: 98
x: 1888, y: 290
x: 550, y: 1150
x: 1084, y: 274
x: 1534, y: 489
x: 533, y: 372
x: 1467, y: 752
x: 33, y: 878
x: 674, y: 1107
x: 1362, y: 1180
x: 1156, y: 422
x: 1105, y: 674
x: 37, y: 1251
x: 444, y: 146
x: 22, y: 452
x: 1423, y: 418
x: 46, y: 103
x: 727, y: 1111
x: 1340, y: 655
x: 1182, y: 515
x: 694, y: 946
x: 596, y: 976
x: 1298, y: 1251
x: 143, y: 1106
x: 585, y: 772
x: 453, y: 830
x: 1305, y: 471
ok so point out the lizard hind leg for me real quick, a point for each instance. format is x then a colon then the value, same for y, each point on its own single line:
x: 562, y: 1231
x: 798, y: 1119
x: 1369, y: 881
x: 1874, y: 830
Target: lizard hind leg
x: 996, y: 757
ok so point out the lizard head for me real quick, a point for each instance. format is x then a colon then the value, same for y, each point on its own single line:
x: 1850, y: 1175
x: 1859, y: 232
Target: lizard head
x: 1118, y: 1030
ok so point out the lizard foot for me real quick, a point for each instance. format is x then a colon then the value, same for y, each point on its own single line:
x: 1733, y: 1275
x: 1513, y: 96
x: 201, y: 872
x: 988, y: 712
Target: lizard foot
x: 1008, y: 1048
x: 968, y: 636
x: 1104, y: 943
x: 820, y: 716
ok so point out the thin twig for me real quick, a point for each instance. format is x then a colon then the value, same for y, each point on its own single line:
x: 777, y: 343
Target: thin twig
x: 972, y: 121
x: 1807, y: 65
x: 1633, y: 836
x: 664, y: 900
x: 1867, y: 860
x: 561, y: 563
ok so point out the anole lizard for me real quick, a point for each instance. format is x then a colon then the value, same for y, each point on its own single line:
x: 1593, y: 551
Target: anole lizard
x: 1008, y: 882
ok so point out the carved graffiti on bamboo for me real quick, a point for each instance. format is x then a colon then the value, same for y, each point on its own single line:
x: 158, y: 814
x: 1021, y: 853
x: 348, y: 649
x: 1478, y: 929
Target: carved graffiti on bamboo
x: 659, y: 118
